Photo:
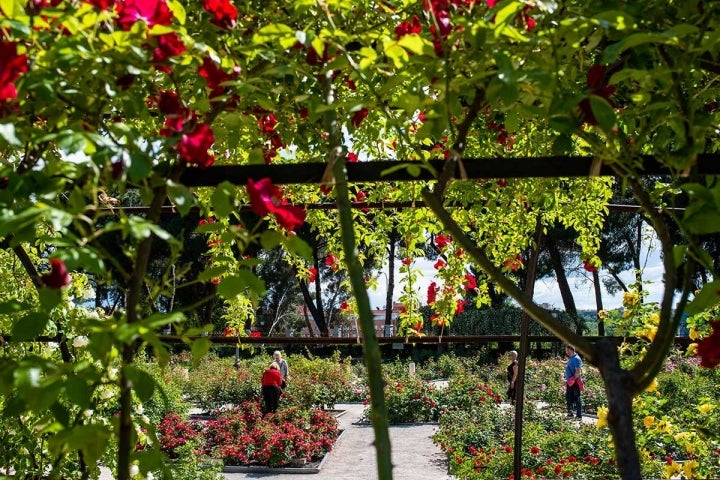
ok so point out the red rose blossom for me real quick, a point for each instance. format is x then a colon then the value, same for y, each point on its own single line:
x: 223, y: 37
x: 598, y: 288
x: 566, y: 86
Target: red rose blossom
x: 194, y: 146
x: 359, y: 116
x: 58, y: 277
x: 266, y: 198
x: 12, y: 66
x: 223, y: 11
x: 708, y: 349
x: 152, y: 12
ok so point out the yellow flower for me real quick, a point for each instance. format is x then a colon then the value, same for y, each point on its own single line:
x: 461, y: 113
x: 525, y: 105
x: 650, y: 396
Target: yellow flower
x: 602, y: 413
x: 602, y: 314
x: 691, y: 350
x: 665, y: 427
x: 688, y: 468
x: 705, y: 408
x: 672, y: 470
x: 626, y: 313
x: 654, y: 318
x: 693, y: 334
x: 653, y: 386
x: 649, y: 421
x: 630, y: 298
x: 649, y: 333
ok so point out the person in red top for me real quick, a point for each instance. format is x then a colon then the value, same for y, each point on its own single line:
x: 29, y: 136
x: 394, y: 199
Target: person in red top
x: 271, y: 382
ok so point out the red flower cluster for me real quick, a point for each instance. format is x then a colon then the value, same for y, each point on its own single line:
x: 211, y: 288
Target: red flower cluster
x: 243, y: 436
x: 503, y: 137
x: 359, y: 116
x: 408, y: 27
x: 268, y: 123
x: 597, y: 83
x: 470, y: 282
x: 152, y: 12
x: 708, y: 348
x: 266, y: 198
x: 442, y: 241
x: 12, y: 65
x: 514, y: 263
x: 168, y: 45
x: 589, y: 266
x: 174, y: 432
x: 223, y: 11
x: 215, y: 78
x: 58, y: 277
x: 332, y: 262
x: 194, y: 146
x: 432, y: 292
x: 312, y: 274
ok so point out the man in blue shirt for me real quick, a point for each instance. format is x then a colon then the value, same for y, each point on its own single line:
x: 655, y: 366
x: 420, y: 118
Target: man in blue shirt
x: 573, y: 370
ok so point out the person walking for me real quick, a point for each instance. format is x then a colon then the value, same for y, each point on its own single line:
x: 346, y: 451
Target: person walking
x: 512, y: 374
x: 271, y: 391
x: 573, y: 380
x: 283, y: 365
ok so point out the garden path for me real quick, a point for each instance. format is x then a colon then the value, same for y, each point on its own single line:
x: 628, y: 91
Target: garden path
x: 414, y: 455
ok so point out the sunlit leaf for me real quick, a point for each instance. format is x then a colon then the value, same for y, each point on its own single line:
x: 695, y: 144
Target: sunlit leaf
x: 708, y: 297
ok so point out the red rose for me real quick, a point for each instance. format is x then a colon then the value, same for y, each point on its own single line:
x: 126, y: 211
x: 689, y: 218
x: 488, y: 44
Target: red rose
x: 58, y: 277
x: 708, y: 349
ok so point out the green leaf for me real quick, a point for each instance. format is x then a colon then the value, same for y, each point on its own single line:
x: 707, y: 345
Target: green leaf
x: 142, y: 382
x: 140, y: 167
x: 275, y: 32
x: 222, y: 199
x: 297, y: 246
x: 84, y: 258
x: 199, y: 347
x: 29, y: 326
x: 612, y: 52
x: 679, y: 254
x: 90, y: 439
x: 210, y: 273
x: 271, y: 239
x: 563, y: 124
x: 157, y: 320
x: 12, y: 307
x: 708, y: 297
x: 79, y: 391
x: 604, y: 113
x: 562, y: 145
x: 181, y: 197
x: 11, y: 8
x: 702, y: 222
x: 234, y: 285
x: 415, y: 44
x: 7, y: 133
x: 397, y: 54
x: 178, y: 11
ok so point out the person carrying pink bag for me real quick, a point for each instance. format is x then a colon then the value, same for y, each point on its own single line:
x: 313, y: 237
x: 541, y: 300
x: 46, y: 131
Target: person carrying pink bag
x: 574, y: 384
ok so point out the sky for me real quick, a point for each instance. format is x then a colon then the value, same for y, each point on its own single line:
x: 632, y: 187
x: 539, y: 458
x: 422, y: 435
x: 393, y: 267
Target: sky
x: 546, y: 290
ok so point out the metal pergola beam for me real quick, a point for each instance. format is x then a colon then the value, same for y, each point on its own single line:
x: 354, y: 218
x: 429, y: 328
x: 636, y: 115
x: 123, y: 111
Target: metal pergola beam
x: 387, y: 170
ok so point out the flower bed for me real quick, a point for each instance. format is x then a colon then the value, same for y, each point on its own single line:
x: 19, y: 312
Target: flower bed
x: 243, y: 436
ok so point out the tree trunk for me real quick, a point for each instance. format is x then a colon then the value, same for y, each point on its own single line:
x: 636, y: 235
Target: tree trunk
x: 619, y: 391
x: 564, y: 285
x: 390, y: 283
x: 524, y: 349
x: 598, y: 302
